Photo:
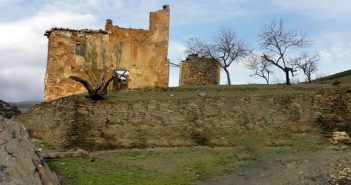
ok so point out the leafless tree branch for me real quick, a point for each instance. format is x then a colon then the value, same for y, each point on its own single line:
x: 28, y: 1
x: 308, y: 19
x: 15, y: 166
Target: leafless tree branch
x: 226, y: 48
x: 281, y: 45
x: 308, y: 64
x: 260, y: 67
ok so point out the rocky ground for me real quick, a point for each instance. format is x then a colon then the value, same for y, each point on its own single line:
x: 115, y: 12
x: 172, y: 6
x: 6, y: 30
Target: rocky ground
x: 19, y: 164
x: 7, y: 111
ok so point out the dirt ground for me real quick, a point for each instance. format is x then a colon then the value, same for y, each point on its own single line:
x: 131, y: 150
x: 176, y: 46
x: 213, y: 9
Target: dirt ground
x: 332, y: 165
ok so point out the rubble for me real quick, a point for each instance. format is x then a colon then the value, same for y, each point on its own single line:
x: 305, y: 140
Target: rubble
x: 340, y: 137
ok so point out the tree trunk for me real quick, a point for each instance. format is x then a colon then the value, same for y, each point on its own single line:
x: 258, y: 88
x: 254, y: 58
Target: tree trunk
x: 287, y: 76
x: 97, y: 92
x: 228, y: 76
x: 309, y: 79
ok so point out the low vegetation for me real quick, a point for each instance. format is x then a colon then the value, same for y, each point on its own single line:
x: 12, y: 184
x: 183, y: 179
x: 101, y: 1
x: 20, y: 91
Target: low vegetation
x: 192, y: 165
x: 344, y: 77
x: 188, y: 165
x: 214, y: 91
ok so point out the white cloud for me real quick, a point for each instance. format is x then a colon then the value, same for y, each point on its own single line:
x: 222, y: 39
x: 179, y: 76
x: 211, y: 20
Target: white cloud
x: 25, y: 33
x: 239, y: 74
x: 335, y: 52
x: 173, y: 77
x: 335, y: 48
x: 21, y: 83
x: 23, y: 48
x: 176, y: 51
x: 176, y: 55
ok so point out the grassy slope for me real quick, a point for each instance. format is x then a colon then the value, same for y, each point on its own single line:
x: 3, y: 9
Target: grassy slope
x: 214, y: 91
x: 234, y: 90
x: 191, y: 165
x: 175, y: 166
x: 343, y: 77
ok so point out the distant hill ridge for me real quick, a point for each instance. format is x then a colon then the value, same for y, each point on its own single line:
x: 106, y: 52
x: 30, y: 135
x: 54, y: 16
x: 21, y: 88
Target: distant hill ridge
x: 344, y: 76
x: 7, y: 111
x: 24, y: 105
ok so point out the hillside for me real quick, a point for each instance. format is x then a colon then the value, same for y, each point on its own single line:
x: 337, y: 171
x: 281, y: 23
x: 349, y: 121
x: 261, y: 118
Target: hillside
x: 274, y: 134
x: 24, y: 105
x: 7, y: 111
x: 343, y: 77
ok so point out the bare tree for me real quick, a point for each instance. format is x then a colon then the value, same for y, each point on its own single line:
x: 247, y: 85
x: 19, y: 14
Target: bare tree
x: 260, y: 67
x: 100, y: 89
x: 308, y: 64
x: 281, y: 47
x: 226, y: 48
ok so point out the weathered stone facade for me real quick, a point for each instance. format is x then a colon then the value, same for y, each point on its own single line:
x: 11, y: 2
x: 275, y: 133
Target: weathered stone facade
x: 197, y: 70
x: 88, y: 53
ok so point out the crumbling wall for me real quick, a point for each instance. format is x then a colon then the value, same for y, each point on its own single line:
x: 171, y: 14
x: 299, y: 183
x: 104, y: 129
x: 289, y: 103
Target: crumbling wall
x: 88, y: 53
x: 197, y: 70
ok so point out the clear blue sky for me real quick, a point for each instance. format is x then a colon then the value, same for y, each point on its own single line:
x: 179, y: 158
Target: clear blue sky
x: 23, y: 48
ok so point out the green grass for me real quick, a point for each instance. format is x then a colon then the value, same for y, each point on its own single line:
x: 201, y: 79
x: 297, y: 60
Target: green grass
x: 85, y: 172
x: 229, y: 91
x: 182, y: 166
x: 335, y: 76
x: 166, y: 166
x: 214, y: 91
x: 177, y: 166
x: 343, y: 77
x: 47, y: 145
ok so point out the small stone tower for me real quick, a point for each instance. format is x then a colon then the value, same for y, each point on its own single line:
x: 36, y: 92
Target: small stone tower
x: 197, y: 70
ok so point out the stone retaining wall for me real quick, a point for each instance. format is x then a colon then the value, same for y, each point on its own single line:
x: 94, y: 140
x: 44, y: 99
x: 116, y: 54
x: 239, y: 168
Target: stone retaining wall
x: 215, y: 121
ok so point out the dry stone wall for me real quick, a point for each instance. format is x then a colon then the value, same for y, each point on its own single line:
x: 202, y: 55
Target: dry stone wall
x: 217, y: 121
x: 197, y: 70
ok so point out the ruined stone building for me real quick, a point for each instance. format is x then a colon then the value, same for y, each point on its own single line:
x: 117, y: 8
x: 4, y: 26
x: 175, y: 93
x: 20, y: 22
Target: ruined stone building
x: 197, y: 70
x: 142, y: 54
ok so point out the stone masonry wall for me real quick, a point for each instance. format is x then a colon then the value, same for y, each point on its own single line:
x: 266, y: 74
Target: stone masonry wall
x: 199, y: 71
x: 217, y: 121
x: 88, y: 53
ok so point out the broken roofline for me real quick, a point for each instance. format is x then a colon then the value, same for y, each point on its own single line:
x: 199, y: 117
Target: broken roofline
x: 48, y: 32
x: 91, y: 31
